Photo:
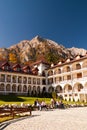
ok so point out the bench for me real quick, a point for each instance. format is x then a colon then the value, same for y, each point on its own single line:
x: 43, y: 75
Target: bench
x: 12, y: 111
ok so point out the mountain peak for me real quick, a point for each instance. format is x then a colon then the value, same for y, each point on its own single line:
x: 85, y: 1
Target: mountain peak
x: 36, y: 37
x: 39, y: 48
x: 39, y: 38
x: 77, y: 51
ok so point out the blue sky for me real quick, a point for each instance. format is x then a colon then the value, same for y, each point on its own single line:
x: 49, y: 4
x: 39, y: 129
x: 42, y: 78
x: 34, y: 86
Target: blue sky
x: 63, y: 21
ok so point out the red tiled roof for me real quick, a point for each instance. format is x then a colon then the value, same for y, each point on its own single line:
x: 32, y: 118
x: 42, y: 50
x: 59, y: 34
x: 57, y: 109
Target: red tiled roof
x: 16, y: 65
x: 2, y: 63
x: 40, y: 61
x: 26, y: 67
x: 73, y: 60
x: 34, y: 69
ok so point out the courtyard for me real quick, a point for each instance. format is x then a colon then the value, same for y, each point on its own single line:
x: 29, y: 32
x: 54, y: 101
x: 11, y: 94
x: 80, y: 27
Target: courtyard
x: 56, y: 119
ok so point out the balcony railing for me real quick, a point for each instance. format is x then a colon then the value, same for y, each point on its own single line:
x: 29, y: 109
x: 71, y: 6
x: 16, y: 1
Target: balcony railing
x: 19, y: 81
x: 24, y: 82
x: 29, y: 82
x: 2, y: 80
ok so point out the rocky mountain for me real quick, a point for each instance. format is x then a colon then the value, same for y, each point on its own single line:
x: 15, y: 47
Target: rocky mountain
x: 36, y: 49
x: 77, y: 51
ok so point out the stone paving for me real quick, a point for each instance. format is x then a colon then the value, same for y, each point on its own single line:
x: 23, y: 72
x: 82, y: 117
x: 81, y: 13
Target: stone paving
x: 68, y: 119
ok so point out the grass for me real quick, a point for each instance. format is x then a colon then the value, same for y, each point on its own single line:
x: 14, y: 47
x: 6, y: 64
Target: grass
x: 6, y: 118
x: 12, y: 99
x: 3, y: 119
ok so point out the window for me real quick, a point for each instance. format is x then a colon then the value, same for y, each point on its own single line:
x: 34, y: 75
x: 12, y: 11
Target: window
x: 79, y: 75
x: 50, y: 81
x: 29, y: 80
x: 68, y: 77
x: 2, y: 78
x: 68, y: 68
x: 19, y: 79
x: 24, y: 80
x: 43, y: 81
x: 59, y: 71
x: 60, y: 78
x: 78, y: 66
x: 34, y: 80
x: 38, y: 81
x: 8, y: 78
x: 1, y: 87
x: 14, y: 79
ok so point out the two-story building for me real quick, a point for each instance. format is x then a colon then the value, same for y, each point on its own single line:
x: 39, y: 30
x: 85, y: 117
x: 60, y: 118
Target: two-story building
x: 68, y: 79
x: 21, y: 79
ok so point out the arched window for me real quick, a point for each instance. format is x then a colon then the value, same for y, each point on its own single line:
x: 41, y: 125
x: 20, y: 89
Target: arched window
x: 1, y: 87
x: 78, y: 66
x: 13, y: 88
x: 68, y: 68
x: 24, y: 88
x: 19, y: 88
x: 59, y: 71
x: 51, y: 89
x: 8, y: 87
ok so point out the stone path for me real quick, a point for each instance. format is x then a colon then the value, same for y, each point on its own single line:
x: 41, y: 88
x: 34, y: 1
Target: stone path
x: 68, y: 119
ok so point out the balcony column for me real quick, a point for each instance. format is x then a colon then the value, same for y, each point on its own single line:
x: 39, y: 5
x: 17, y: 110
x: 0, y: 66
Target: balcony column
x: 22, y: 88
x: 21, y: 79
x: 16, y: 87
x: 81, y: 68
x: 22, y: 84
x: 5, y: 78
x: 17, y: 79
x: 27, y: 80
x: 36, y: 81
x: 53, y: 72
x: 11, y: 78
x: 62, y: 75
x: 31, y: 82
x: 46, y: 78
x: 11, y: 87
x: 81, y: 64
x: 53, y: 80
x: 5, y: 87
x: 40, y: 81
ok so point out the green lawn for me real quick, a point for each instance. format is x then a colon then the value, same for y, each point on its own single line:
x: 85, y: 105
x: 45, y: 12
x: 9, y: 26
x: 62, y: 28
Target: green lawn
x: 12, y: 99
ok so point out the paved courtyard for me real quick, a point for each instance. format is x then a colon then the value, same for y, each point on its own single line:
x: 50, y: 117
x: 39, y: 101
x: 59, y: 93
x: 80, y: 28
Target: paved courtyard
x: 68, y: 119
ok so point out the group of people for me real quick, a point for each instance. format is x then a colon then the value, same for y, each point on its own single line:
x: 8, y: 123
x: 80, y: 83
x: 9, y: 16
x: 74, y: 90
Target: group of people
x: 54, y: 104
x: 40, y: 104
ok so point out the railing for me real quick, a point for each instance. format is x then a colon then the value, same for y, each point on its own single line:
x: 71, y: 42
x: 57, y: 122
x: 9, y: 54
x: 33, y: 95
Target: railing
x: 2, y: 80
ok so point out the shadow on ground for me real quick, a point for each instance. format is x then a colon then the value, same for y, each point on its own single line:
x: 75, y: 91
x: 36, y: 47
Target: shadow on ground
x: 11, y: 98
x: 6, y: 123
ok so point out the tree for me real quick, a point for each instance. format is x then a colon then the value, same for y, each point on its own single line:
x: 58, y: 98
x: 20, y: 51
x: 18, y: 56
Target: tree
x: 13, y: 57
x: 52, y: 57
x: 54, y: 95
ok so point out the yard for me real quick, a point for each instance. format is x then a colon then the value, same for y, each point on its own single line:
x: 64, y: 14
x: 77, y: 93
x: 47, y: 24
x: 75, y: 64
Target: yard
x: 18, y: 100
x: 12, y: 99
